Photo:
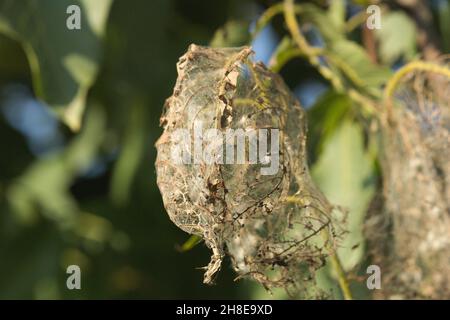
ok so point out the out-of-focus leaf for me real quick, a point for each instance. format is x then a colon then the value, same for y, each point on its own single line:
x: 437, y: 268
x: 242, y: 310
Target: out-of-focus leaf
x: 345, y: 55
x: 96, y: 14
x: 324, y: 118
x: 133, y: 146
x: 329, y: 27
x: 354, y: 62
x: 63, y: 62
x: 190, y: 243
x: 45, y: 184
x: 285, y: 50
x: 92, y: 227
x: 336, y: 13
x: 345, y: 172
x: 397, y: 37
x: 233, y: 34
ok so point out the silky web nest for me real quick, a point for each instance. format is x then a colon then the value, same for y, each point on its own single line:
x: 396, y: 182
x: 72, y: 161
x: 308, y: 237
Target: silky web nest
x: 411, y: 239
x: 232, y: 168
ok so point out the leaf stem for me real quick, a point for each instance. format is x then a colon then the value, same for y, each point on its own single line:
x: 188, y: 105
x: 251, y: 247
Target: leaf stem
x: 337, y: 266
x: 410, y: 67
x: 313, y: 57
x: 269, y: 14
x: 355, y: 21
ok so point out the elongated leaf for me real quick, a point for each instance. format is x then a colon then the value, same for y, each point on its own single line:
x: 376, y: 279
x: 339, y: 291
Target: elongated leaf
x: 324, y: 118
x: 190, y: 243
x: 344, y: 172
x: 347, y: 56
x: 45, y: 184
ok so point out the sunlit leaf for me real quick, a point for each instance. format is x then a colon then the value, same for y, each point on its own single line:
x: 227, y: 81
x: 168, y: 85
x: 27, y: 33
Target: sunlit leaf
x: 329, y: 28
x: 324, y: 118
x: 354, y: 62
x: 397, y: 37
x: 190, y: 243
x: 45, y: 184
x: 345, y: 173
x: 336, y: 13
x: 131, y: 154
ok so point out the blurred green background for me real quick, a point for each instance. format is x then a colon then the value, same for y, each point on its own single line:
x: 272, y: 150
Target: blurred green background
x: 79, y: 115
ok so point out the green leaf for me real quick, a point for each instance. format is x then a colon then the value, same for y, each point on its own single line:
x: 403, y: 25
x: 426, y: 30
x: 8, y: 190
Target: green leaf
x: 133, y: 147
x: 45, y: 185
x: 345, y: 173
x: 336, y: 13
x: 284, y: 52
x: 329, y: 27
x: 397, y: 37
x: 354, y: 62
x: 324, y: 118
x: 190, y: 243
x: 349, y: 57
x: 63, y: 62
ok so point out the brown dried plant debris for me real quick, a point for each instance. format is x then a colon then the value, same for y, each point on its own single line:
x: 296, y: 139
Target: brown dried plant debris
x: 269, y: 225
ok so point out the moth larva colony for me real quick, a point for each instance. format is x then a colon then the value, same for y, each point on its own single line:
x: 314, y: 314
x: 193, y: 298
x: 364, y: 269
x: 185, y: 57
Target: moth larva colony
x: 269, y: 225
x: 411, y: 238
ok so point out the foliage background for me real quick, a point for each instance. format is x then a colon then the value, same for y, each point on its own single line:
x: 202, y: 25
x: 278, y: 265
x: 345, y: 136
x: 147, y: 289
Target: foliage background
x: 79, y: 113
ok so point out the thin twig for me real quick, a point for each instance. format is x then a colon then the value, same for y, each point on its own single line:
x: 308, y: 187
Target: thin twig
x: 337, y: 266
